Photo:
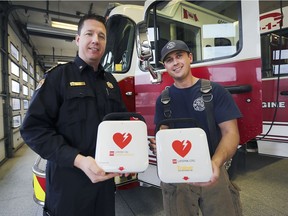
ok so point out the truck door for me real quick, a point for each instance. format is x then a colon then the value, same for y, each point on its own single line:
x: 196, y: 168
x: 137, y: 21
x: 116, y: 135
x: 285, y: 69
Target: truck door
x: 274, y: 139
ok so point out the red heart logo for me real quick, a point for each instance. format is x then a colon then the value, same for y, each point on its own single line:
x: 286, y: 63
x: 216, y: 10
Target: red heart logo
x: 121, y: 168
x: 186, y: 178
x: 122, y: 140
x: 182, y: 148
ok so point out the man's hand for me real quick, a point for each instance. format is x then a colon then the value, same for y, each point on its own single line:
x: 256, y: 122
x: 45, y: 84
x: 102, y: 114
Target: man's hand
x: 89, y: 166
x: 214, y: 178
x: 152, y: 145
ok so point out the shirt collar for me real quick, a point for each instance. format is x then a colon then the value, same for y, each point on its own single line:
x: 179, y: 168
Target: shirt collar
x: 82, y: 65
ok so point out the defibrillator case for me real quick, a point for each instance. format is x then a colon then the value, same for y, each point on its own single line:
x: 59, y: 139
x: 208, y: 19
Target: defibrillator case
x: 183, y: 155
x: 122, y: 145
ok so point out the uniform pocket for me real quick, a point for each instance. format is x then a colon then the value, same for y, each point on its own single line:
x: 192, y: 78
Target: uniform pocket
x: 234, y: 190
x: 235, y: 194
x: 76, y: 103
x: 168, y: 190
x: 114, y: 101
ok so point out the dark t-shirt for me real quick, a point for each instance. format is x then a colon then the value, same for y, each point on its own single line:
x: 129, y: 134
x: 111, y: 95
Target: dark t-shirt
x: 188, y: 103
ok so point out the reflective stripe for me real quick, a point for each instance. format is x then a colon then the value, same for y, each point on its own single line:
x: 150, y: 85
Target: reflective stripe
x: 38, y: 190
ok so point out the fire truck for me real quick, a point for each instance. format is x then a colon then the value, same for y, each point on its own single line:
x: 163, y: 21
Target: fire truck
x: 224, y: 39
x: 274, y: 43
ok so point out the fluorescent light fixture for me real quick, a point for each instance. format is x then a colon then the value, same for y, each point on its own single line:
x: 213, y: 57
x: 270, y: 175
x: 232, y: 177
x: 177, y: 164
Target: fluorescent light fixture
x: 63, y: 24
x: 50, y: 31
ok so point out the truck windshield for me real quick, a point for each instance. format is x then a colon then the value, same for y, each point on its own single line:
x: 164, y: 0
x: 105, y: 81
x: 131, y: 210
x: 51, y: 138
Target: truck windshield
x: 119, y: 47
x: 274, y: 52
x: 210, y: 29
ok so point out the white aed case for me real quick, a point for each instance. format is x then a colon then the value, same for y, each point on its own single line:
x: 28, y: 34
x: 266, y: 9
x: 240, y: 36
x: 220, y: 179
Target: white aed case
x: 122, y: 146
x: 183, y: 155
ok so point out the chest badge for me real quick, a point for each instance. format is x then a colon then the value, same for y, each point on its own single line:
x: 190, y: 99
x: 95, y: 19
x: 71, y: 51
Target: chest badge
x: 109, y: 85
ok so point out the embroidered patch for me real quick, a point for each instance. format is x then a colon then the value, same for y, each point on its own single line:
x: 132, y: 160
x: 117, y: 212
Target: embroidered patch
x: 171, y: 45
x: 198, y: 104
x: 41, y: 82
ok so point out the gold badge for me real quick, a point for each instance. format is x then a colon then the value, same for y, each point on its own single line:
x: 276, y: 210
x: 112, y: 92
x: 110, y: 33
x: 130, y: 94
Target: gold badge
x: 110, y: 85
x: 77, y: 83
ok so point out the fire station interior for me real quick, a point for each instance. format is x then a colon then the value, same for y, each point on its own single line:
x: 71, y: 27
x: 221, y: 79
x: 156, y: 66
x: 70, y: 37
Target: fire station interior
x: 262, y: 179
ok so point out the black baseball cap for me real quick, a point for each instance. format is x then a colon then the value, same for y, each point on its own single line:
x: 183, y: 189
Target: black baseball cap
x: 173, y: 45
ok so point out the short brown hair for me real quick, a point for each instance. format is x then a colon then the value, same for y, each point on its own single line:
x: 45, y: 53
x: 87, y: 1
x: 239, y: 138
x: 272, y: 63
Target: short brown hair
x: 88, y: 17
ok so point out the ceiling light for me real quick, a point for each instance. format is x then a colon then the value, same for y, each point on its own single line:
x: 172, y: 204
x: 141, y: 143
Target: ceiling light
x: 56, y: 23
x: 47, y: 31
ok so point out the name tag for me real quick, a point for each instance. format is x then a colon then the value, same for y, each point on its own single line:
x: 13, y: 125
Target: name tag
x: 77, y: 83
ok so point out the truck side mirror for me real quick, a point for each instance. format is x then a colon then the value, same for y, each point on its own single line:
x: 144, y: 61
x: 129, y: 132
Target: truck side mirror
x: 144, y: 50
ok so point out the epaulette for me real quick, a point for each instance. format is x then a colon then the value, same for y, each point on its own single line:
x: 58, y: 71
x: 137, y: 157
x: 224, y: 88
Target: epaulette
x: 52, y: 68
x: 41, y: 82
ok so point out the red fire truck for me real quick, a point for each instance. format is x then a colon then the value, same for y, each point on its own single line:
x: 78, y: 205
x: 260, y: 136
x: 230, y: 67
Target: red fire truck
x: 274, y: 43
x: 224, y: 38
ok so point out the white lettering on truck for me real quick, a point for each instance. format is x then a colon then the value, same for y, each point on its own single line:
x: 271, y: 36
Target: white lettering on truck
x: 273, y: 104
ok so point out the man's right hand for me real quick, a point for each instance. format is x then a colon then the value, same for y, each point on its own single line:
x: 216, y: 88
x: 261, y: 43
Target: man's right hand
x: 152, y: 145
x: 89, y: 166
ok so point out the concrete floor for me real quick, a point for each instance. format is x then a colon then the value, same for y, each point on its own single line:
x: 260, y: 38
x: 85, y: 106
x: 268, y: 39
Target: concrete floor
x: 263, y: 183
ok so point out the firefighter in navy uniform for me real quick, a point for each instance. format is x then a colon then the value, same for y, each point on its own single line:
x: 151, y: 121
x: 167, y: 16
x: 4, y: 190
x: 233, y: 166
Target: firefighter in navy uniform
x: 61, y: 126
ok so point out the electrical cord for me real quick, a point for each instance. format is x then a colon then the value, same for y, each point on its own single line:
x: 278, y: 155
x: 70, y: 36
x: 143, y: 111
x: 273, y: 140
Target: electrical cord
x: 278, y: 76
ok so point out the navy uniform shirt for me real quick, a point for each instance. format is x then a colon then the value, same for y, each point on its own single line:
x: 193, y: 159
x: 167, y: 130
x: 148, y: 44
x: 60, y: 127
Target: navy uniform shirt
x: 65, y: 111
x: 188, y: 103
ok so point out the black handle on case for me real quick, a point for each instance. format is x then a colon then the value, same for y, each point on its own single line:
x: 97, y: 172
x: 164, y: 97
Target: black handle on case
x: 123, y: 116
x: 177, y: 120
